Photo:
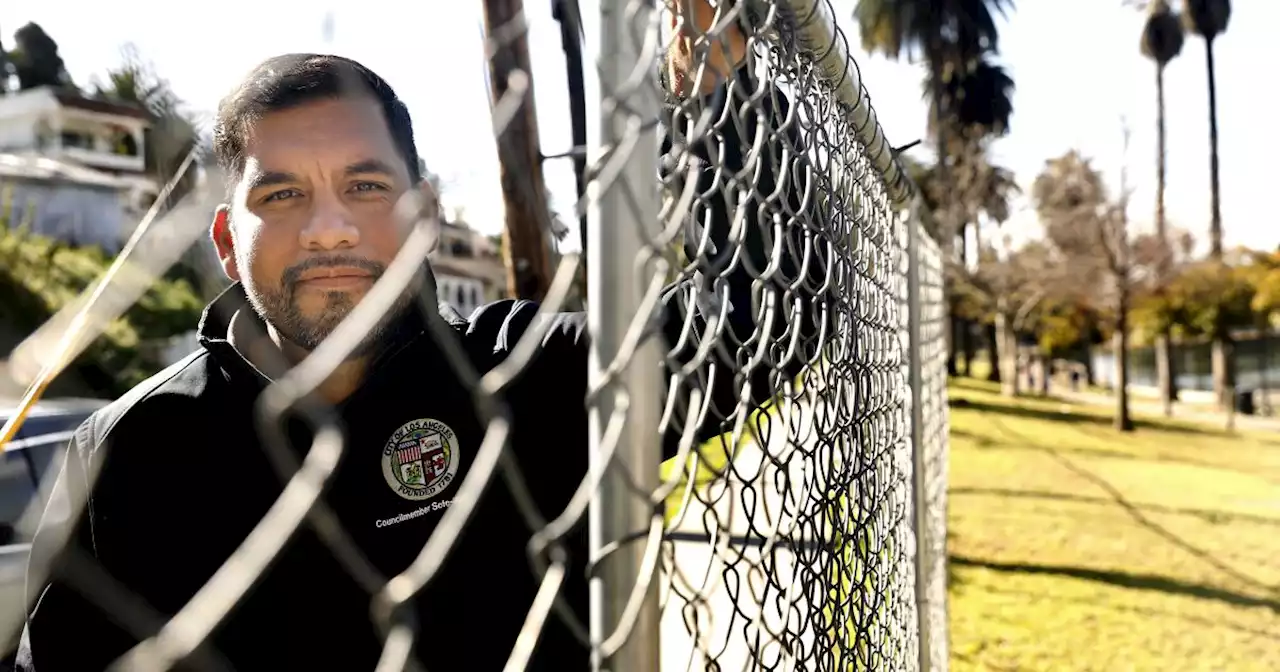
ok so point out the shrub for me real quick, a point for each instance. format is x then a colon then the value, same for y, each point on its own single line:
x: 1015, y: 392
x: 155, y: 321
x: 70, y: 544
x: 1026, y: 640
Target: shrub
x: 39, y: 276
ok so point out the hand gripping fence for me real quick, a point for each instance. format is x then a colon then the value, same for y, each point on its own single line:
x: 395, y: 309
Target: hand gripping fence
x: 811, y: 535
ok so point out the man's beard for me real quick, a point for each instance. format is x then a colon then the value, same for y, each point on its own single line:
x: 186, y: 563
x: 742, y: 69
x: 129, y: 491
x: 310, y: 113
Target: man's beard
x: 278, y: 307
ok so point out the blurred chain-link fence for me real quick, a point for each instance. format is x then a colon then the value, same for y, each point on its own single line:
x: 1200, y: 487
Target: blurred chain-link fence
x: 779, y: 229
x: 928, y: 321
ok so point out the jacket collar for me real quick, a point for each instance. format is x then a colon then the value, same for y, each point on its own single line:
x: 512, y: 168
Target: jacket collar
x: 227, y: 320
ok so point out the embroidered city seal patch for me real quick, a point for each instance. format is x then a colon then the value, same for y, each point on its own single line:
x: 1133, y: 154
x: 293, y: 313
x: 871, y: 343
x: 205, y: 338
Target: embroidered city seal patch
x: 421, y: 459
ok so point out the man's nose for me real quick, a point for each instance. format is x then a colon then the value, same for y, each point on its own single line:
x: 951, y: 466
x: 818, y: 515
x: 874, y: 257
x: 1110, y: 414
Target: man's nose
x: 330, y: 227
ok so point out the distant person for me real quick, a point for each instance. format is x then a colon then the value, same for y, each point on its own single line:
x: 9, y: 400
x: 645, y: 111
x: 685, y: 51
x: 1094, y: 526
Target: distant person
x: 316, y: 150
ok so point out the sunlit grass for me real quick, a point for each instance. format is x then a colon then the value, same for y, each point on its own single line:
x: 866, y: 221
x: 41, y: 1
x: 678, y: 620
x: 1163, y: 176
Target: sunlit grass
x: 1076, y: 548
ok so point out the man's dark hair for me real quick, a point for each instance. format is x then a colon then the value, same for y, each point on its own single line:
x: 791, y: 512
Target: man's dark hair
x: 284, y: 82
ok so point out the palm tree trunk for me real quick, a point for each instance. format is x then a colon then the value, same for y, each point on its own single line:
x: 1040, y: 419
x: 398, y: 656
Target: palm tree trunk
x: 934, y: 54
x: 1223, y: 386
x: 953, y: 332
x: 963, y: 347
x: 1266, y: 365
x: 1008, y: 349
x: 1123, y: 422
x: 968, y: 349
x: 1046, y: 368
x: 1166, y: 378
x: 1215, y: 224
x: 1223, y: 369
x: 1165, y: 374
x: 993, y: 352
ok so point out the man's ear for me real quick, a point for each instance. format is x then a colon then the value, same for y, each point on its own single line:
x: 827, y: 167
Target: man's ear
x: 220, y: 232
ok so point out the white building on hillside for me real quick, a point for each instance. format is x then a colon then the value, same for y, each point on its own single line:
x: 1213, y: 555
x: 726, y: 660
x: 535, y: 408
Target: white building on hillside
x: 72, y: 167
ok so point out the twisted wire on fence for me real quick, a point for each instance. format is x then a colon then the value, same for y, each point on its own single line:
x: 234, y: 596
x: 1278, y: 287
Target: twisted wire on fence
x: 810, y: 534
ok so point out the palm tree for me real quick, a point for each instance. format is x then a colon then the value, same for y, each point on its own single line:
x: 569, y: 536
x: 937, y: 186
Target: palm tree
x: 1208, y: 19
x: 976, y: 105
x: 1161, y: 42
x: 942, y: 31
x: 980, y: 97
x: 950, y: 35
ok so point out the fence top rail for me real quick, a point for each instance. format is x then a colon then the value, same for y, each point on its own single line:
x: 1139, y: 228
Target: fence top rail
x: 810, y: 27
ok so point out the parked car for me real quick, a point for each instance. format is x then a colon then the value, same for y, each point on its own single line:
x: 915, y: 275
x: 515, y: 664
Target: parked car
x: 28, y: 466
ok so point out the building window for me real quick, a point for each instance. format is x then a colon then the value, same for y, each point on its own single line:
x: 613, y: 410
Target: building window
x: 123, y: 143
x: 464, y: 294
x: 74, y: 140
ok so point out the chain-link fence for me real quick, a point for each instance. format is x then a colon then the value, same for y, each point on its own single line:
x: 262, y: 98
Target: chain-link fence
x: 928, y: 320
x: 766, y: 397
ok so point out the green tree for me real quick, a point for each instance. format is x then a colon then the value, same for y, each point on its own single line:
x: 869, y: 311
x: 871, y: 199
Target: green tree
x: 36, y: 61
x: 1211, y: 297
x: 1162, y: 40
x: 40, y: 276
x: 1265, y: 278
x: 4, y: 69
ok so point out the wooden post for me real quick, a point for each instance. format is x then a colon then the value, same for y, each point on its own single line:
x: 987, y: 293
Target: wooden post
x: 526, y: 235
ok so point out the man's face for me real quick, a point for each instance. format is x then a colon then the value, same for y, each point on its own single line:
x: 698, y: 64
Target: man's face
x: 310, y: 225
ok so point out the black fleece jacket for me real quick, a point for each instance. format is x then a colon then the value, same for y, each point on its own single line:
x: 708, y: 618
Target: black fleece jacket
x: 182, y: 477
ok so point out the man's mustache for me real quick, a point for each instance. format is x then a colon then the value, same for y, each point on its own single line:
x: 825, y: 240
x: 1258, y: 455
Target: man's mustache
x: 293, y: 274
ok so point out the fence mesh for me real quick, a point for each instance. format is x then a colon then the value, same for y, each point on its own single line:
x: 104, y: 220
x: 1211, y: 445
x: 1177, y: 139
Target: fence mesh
x: 765, y: 307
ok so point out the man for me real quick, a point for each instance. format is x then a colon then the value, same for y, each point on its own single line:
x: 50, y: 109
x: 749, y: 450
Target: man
x: 317, y: 150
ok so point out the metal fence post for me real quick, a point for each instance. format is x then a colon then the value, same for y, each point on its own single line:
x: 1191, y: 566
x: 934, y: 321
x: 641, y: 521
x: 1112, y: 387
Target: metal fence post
x: 920, y: 496
x: 623, y: 214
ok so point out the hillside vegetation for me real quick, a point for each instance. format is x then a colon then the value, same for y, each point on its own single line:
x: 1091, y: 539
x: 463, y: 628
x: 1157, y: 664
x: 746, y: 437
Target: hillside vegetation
x: 38, y: 276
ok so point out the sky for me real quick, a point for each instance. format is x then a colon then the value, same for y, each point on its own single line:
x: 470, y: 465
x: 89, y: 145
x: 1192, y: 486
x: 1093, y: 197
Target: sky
x: 1076, y: 65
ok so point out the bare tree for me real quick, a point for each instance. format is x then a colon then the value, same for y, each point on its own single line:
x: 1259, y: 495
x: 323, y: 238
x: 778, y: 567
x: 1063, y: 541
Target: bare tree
x: 1092, y: 231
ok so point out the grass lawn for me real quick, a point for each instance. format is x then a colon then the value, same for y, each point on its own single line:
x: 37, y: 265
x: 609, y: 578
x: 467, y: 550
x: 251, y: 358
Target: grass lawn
x: 1075, y: 548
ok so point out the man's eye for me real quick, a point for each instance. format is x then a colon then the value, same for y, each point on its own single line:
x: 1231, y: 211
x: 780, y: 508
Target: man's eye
x: 281, y: 195
x: 369, y: 186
